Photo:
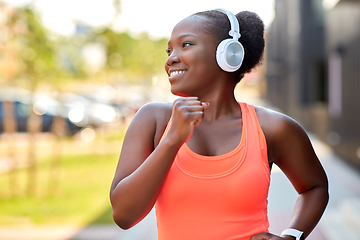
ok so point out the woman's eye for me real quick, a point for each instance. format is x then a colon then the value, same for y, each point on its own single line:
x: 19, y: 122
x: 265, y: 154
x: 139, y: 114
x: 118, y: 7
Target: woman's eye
x: 186, y: 44
x: 168, y: 51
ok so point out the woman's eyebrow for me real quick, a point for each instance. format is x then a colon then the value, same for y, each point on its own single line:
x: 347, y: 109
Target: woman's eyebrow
x: 184, y: 36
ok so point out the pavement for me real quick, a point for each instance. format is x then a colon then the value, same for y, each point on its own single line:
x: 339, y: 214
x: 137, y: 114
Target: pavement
x: 341, y: 219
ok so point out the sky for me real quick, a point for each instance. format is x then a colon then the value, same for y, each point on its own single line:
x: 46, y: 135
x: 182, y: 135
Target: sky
x: 157, y: 17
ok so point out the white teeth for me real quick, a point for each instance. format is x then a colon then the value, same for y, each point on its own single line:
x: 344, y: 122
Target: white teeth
x: 176, y: 73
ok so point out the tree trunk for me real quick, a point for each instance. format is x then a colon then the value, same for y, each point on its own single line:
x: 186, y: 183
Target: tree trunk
x: 34, y: 125
x: 59, y: 130
x: 10, y: 128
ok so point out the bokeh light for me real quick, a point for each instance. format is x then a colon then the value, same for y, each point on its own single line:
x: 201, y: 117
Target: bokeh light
x: 88, y: 135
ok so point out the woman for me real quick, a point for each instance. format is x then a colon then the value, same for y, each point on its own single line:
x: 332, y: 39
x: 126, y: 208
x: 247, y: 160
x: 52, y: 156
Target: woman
x: 204, y: 161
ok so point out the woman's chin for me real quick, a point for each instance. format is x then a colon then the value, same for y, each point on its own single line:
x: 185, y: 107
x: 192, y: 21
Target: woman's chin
x: 178, y: 93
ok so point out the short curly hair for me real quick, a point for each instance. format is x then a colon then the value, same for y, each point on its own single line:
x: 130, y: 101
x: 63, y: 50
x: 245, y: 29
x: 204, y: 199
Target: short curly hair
x: 252, y: 35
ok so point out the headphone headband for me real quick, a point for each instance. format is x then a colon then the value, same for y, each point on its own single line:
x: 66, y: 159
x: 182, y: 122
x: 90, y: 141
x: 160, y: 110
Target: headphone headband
x: 234, y: 23
x: 230, y: 52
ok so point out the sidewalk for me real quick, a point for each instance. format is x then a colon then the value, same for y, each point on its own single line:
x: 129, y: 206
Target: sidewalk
x: 341, y: 219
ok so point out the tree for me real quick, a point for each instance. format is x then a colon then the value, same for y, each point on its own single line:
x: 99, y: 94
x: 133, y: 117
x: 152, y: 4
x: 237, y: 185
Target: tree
x: 33, y: 54
x: 10, y: 69
x: 137, y: 58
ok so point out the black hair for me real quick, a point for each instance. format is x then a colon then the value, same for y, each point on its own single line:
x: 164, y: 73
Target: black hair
x: 252, y: 35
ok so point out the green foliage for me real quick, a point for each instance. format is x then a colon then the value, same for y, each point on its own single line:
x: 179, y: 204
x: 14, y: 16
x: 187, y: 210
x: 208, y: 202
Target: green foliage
x: 45, y: 57
x: 35, y: 52
x: 141, y: 57
x: 69, y: 58
x: 38, y: 49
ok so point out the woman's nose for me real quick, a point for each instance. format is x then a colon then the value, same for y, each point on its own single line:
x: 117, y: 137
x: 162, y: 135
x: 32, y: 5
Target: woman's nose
x: 173, y: 58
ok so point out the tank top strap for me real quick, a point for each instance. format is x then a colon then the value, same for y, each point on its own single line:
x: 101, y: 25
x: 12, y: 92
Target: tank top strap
x: 166, y: 129
x: 258, y: 138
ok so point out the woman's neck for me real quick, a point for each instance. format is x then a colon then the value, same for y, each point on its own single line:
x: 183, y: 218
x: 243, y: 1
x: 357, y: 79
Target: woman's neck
x: 221, y: 105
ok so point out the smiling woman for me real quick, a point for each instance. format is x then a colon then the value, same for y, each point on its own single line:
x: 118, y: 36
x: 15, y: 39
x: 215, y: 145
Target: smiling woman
x: 204, y: 160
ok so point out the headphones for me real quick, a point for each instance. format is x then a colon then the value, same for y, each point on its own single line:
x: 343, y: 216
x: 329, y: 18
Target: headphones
x: 230, y: 52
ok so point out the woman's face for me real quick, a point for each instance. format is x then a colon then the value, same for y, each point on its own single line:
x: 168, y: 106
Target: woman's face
x: 191, y: 65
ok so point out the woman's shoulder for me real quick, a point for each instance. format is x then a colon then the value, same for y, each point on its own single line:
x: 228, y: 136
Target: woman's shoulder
x: 156, y: 108
x: 154, y: 112
x: 283, y: 134
x: 270, y: 115
x: 155, y: 116
x: 278, y: 126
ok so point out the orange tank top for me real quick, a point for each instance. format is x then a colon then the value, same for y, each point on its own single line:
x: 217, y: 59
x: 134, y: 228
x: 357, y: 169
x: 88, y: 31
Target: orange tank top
x: 217, y: 197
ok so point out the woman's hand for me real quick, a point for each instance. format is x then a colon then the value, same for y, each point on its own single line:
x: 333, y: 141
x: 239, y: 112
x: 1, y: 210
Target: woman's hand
x: 270, y: 236
x: 187, y: 113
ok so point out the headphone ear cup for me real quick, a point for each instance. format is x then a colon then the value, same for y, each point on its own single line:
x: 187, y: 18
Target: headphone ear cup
x: 229, y: 55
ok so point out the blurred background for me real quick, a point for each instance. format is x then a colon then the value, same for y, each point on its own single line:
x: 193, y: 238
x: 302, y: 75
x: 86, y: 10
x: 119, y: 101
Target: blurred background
x: 74, y: 73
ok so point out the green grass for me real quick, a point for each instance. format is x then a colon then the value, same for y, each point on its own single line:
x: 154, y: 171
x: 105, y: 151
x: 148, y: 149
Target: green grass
x: 81, y: 195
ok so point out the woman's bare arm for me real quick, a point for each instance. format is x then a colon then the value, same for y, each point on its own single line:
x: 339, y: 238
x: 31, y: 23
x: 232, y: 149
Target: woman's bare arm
x: 291, y: 149
x: 142, y: 170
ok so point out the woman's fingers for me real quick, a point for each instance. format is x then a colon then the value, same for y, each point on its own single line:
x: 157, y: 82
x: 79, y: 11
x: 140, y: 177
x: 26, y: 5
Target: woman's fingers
x: 187, y: 105
x: 187, y: 113
x: 194, y: 111
x: 205, y: 105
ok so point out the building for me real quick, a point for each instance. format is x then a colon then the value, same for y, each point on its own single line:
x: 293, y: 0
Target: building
x: 343, y: 54
x: 313, y: 61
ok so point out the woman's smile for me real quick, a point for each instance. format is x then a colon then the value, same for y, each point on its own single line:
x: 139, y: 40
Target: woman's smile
x: 173, y: 74
x: 176, y: 73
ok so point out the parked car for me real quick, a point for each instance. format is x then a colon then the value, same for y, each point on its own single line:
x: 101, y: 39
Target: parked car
x: 44, y: 106
x: 22, y: 112
x: 84, y: 111
x: 78, y: 111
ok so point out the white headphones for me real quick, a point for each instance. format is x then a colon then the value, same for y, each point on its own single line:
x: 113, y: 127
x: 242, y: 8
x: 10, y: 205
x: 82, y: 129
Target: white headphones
x: 230, y: 53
